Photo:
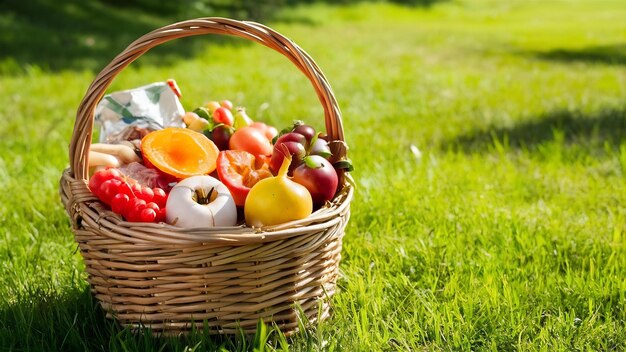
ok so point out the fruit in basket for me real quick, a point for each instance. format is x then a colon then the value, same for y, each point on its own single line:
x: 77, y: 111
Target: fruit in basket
x: 99, y: 160
x: 108, y: 189
x: 128, y: 198
x: 296, y: 146
x: 119, y: 202
x: 200, y: 201
x: 239, y: 171
x: 194, y: 122
x: 179, y: 152
x: 226, y: 104
x: 276, y: 200
x: 122, y: 152
x: 190, y: 117
x: 241, y: 118
x: 212, y: 105
x: 99, y: 177
x: 301, y: 140
x: 319, y: 146
x: 223, y: 115
x: 318, y: 176
x: 269, y: 131
x: 251, y: 140
x: 220, y: 135
x: 160, y: 197
x: 307, y: 131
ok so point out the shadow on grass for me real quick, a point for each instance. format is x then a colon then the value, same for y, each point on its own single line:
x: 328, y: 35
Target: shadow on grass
x: 606, y: 54
x: 75, y: 322
x: 586, y: 130
x: 51, y: 323
x: 80, y: 35
x: 87, y: 35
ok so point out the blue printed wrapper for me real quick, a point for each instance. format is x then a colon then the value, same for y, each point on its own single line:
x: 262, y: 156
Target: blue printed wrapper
x: 132, y: 113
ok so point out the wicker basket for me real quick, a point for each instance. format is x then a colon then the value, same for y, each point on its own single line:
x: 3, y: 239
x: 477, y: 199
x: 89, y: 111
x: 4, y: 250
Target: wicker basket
x: 168, y: 278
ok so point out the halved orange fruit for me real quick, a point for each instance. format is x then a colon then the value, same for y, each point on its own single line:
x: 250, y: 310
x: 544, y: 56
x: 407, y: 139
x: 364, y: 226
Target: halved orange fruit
x: 180, y: 152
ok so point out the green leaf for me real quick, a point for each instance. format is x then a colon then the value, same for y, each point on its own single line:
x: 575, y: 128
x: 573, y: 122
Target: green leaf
x: 345, y: 164
x: 311, y: 163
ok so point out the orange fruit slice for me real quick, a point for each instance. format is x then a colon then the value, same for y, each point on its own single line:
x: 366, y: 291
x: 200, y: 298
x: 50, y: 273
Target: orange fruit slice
x: 179, y: 152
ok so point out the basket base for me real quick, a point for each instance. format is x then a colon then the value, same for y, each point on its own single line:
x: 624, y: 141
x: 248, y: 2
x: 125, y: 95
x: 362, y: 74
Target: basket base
x: 288, y: 323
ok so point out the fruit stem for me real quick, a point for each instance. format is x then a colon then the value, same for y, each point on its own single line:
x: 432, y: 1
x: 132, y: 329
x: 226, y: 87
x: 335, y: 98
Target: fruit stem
x: 284, y: 167
x: 202, y: 197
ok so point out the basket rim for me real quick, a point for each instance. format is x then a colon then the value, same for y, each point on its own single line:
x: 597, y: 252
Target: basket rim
x: 90, y: 214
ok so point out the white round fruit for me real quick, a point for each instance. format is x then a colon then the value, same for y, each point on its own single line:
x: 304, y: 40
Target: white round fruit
x: 200, y: 201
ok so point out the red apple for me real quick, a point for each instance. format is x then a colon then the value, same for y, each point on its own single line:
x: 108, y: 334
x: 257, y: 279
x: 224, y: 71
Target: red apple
x: 318, y: 176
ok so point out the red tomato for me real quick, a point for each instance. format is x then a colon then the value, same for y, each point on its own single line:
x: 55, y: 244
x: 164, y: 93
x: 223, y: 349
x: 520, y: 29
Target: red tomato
x: 124, y: 188
x: 226, y: 104
x: 223, y: 115
x: 160, y: 215
x: 160, y: 197
x: 251, y: 140
x: 239, y: 171
x: 147, y: 215
x: 108, y: 189
x: 127, y: 197
x: 101, y: 176
x: 136, y: 189
x: 154, y: 206
x: 146, y: 194
x: 269, y: 131
x: 133, y: 209
x: 119, y: 202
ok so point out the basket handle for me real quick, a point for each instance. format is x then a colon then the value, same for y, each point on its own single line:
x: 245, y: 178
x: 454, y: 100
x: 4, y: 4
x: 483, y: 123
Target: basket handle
x: 83, y: 127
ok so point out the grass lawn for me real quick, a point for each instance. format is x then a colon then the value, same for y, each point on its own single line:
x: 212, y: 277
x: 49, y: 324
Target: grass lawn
x: 489, y: 140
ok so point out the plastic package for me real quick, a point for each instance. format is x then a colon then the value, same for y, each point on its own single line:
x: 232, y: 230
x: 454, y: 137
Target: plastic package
x: 131, y: 114
x: 147, y: 176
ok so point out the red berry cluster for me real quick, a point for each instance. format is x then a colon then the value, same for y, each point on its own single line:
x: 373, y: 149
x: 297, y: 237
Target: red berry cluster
x: 136, y: 203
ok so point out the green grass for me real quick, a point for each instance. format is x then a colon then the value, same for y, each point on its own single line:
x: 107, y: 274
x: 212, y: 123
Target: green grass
x: 489, y: 140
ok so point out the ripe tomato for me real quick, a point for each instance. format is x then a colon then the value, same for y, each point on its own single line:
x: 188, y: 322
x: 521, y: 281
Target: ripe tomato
x: 226, y: 104
x: 119, y: 202
x: 108, y: 189
x: 160, y: 197
x: 223, y: 115
x: 102, y: 176
x: 127, y: 197
x: 269, y: 131
x: 133, y: 210
x: 251, y: 140
x: 147, y: 215
x: 239, y: 171
x: 146, y: 193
